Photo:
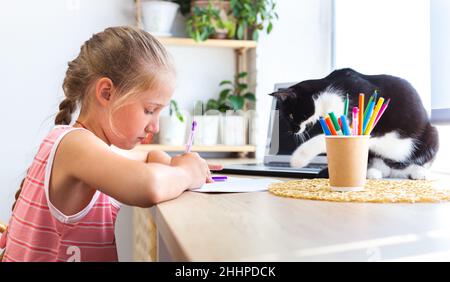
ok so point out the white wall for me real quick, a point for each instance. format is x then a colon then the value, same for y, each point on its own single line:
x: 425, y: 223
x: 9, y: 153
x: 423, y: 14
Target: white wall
x: 38, y: 38
x: 298, y: 48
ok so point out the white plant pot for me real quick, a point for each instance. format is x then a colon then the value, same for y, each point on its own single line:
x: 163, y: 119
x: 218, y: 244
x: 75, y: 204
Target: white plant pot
x: 207, y: 130
x: 158, y: 16
x: 233, y: 130
x: 253, y: 129
x: 172, y: 131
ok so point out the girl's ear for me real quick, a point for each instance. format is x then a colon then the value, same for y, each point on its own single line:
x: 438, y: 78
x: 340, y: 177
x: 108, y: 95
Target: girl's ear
x: 103, y: 89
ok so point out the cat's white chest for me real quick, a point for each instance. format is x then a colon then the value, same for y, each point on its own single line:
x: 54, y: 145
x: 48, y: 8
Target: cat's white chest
x: 391, y: 146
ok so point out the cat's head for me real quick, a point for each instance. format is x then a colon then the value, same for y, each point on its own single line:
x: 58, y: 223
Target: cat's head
x: 296, y: 106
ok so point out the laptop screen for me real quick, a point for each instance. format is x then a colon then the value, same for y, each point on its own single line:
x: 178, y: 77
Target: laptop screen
x: 280, y: 141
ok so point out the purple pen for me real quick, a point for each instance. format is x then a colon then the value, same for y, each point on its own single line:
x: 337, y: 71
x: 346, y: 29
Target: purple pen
x: 191, y: 137
x: 220, y: 178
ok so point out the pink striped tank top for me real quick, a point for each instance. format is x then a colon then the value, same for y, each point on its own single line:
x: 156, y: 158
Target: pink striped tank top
x: 37, y: 231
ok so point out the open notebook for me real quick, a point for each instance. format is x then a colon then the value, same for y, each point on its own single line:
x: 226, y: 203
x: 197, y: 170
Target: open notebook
x: 234, y: 185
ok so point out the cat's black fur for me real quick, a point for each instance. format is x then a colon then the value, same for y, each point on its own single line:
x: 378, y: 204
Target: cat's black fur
x: 406, y: 114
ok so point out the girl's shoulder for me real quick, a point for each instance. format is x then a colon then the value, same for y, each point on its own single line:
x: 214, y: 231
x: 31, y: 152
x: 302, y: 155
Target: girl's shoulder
x: 59, y: 132
x: 74, y: 139
x: 65, y: 140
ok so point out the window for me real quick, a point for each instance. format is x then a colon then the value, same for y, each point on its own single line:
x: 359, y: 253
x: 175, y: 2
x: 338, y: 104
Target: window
x: 440, y: 60
x: 385, y: 36
x: 405, y: 38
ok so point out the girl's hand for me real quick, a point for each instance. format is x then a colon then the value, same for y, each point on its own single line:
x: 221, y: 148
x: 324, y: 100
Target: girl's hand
x: 196, y: 169
x: 158, y: 157
x: 215, y: 167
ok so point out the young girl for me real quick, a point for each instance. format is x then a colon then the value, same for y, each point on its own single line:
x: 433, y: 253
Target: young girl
x: 66, y: 207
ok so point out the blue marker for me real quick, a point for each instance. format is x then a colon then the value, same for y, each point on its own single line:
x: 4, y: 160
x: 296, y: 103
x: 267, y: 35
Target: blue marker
x: 368, y: 114
x: 324, y: 126
x: 345, y: 127
x: 375, y: 95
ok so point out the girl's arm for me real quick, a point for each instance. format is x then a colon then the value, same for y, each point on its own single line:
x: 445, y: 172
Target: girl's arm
x: 90, y: 160
x: 153, y: 157
x: 144, y: 156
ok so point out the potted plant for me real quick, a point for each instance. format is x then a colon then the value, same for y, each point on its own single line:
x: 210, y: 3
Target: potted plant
x: 207, y: 132
x: 209, y: 19
x: 234, y: 98
x: 172, y: 127
x: 158, y: 16
x: 251, y: 17
x: 199, y: 23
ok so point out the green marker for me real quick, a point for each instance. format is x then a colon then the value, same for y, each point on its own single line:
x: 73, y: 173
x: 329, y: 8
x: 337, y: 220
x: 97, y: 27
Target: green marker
x: 346, y: 106
x: 368, y: 104
x: 335, y: 123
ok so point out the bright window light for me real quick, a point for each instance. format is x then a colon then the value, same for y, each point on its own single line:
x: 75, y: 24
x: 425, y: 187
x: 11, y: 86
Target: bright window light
x: 385, y: 37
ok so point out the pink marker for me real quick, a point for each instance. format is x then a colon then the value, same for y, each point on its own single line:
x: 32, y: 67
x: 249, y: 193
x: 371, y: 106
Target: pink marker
x: 355, y: 126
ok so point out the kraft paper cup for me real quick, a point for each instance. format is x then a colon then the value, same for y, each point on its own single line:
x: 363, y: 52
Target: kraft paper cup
x: 347, y: 161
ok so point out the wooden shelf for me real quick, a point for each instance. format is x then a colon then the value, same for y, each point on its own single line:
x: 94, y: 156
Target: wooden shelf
x: 196, y: 148
x: 221, y: 43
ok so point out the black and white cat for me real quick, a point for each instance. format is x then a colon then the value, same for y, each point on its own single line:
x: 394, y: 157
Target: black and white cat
x: 402, y: 145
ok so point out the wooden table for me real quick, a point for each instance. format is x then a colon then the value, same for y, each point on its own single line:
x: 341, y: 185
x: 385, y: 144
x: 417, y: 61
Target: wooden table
x: 263, y: 227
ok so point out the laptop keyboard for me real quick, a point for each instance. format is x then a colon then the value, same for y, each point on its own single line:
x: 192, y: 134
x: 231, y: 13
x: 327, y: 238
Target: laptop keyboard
x: 282, y: 164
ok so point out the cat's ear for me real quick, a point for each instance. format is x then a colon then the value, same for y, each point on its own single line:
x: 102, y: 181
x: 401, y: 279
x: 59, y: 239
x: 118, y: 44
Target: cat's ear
x: 284, y: 95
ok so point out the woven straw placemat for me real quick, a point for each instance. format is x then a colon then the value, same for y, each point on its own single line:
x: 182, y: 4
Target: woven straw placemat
x: 376, y: 191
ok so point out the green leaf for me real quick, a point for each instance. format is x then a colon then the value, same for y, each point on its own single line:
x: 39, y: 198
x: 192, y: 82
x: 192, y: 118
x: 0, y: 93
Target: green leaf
x: 250, y: 96
x: 237, y: 102
x: 223, y: 82
x: 224, y: 94
x: 223, y: 108
x: 174, y: 108
x: 212, y: 105
x: 242, y: 86
x: 269, y: 28
x: 242, y: 74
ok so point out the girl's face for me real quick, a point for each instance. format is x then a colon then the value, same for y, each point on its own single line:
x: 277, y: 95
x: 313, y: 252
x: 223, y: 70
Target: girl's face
x: 135, y: 120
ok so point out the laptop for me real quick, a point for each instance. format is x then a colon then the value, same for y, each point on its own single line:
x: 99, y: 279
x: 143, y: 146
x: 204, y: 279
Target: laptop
x: 280, y: 145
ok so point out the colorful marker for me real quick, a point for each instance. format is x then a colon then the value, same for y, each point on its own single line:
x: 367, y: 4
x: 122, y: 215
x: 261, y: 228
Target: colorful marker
x: 368, y: 114
x: 383, y: 108
x: 355, y: 117
x: 219, y: 178
x: 335, y: 123
x: 346, y: 106
x: 367, y: 108
x: 345, y: 127
x: 330, y: 126
x: 374, y: 116
x: 325, y: 129
x: 361, y: 114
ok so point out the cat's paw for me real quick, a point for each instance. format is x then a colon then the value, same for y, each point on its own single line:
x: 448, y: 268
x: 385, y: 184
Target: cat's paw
x: 419, y: 173
x: 300, y: 158
x: 373, y: 173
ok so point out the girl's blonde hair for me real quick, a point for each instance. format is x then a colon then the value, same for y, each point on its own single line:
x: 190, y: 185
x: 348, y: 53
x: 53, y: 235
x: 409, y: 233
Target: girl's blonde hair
x: 133, y: 60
